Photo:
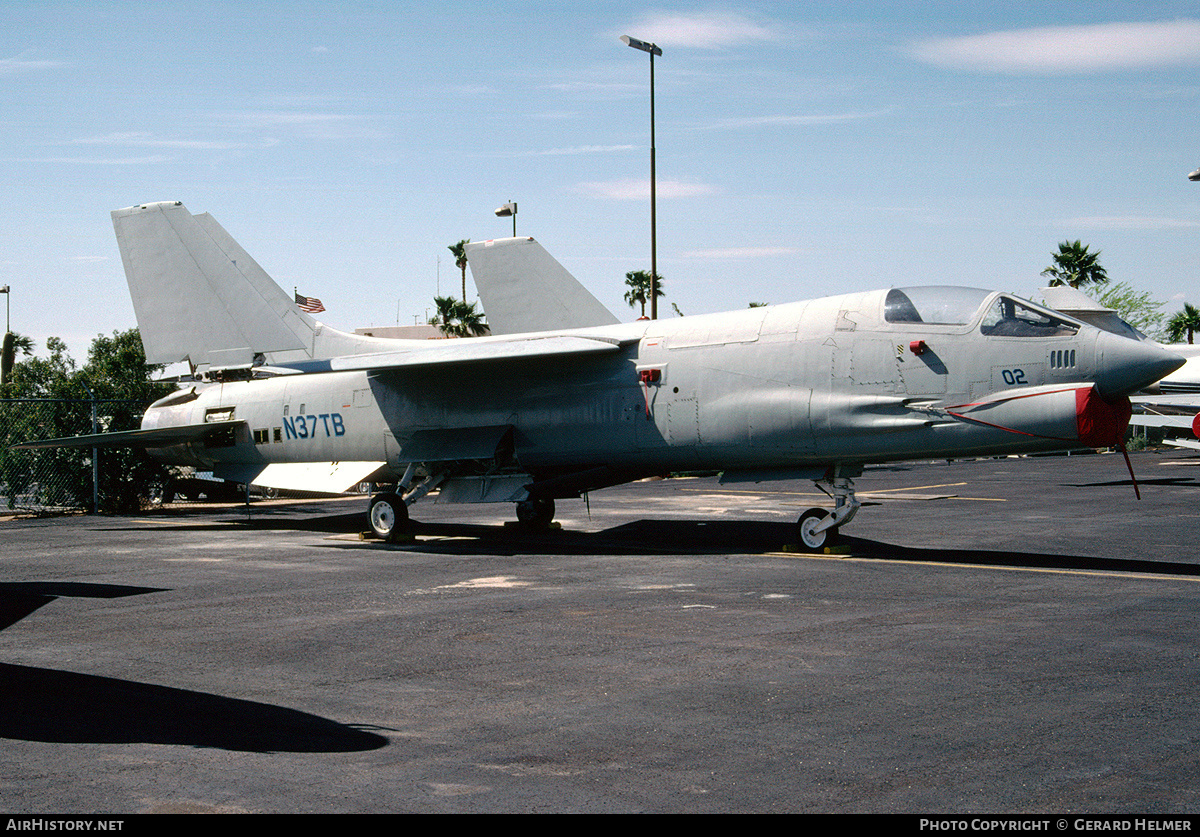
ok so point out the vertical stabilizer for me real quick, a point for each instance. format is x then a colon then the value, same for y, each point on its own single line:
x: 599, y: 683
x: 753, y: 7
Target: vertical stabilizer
x: 200, y: 297
x: 524, y: 289
x: 193, y: 302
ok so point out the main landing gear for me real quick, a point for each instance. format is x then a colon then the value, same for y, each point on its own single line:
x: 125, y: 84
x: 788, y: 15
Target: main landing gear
x: 818, y: 528
x: 535, y: 513
x: 388, y: 516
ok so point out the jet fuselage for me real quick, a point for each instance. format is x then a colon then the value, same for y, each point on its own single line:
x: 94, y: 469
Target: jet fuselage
x: 865, y: 377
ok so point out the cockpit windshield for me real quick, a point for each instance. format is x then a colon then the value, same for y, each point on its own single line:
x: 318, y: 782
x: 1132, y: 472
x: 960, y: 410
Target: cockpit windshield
x: 1006, y: 316
x: 1009, y: 317
x: 939, y: 305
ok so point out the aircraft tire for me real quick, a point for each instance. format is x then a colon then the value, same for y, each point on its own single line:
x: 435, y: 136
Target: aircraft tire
x: 388, y: 516
x: 815, y: 541
x: 535, y: 514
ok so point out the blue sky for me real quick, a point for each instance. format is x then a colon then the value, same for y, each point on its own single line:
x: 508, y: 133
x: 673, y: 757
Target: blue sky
x: 804, y: 149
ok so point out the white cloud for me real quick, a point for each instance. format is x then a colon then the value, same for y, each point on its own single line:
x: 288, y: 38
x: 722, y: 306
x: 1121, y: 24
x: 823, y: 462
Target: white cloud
x: 96, y: 161
x: 741, y: 253
x: 20, y: 64
x: 631, y: 190
x: 794, y: 119
x: 701, y: 30
x: 580, y: 149
x: 1127, y: 222
x: 1068, y: 49
x: 144, y: 139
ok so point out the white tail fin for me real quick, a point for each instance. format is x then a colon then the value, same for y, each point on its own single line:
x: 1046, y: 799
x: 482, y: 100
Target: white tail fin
x: 524, y: 289
x: 199, y: 296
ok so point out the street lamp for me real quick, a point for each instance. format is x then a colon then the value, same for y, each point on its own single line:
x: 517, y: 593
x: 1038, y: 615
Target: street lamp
x: 653, y: 50
x: 4, y: 290
x: 505, y: 211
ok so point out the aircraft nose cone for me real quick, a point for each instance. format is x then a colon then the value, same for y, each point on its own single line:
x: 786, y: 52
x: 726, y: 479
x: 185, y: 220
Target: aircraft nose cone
x: 1124, y: 366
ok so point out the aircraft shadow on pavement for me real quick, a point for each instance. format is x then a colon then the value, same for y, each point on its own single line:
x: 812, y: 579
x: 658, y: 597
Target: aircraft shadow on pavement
x: 862, y: 548
x: 1183, y: 482
x: 18, y: 599
x: 704, y: 537
x: 667, y: 537
x: 38, y: 704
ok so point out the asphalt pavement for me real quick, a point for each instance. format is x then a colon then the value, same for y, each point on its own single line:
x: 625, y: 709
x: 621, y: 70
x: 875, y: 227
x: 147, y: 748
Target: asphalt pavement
x: 995, y: 636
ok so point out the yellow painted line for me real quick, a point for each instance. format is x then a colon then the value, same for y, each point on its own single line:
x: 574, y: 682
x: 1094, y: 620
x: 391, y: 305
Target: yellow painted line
x: 720, y: 490
x: 914, y: 487
x: 872, y: 491
x: 189, y: 522
x: 954, y: 564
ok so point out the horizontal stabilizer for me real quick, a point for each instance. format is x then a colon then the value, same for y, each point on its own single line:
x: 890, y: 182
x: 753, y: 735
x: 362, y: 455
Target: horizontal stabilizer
x: 524, y: 289
x: 160, y: 437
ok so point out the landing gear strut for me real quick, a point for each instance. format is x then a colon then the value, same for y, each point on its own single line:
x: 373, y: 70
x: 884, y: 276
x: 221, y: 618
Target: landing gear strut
x: 818, y: 528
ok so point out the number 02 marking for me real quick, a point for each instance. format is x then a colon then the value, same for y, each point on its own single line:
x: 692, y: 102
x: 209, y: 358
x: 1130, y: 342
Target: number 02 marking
x: 1013, y: 377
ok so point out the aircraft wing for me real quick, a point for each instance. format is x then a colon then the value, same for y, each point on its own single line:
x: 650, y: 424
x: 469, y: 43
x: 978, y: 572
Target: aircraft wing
x: 160, y: 437
x: 475, y: 350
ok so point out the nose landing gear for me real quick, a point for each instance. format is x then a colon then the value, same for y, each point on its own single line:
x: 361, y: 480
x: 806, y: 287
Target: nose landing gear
x: 819, y: 528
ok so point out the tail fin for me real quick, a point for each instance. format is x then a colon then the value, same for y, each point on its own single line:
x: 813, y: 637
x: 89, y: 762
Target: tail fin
x: 200, y: 297
x: 524, y: 289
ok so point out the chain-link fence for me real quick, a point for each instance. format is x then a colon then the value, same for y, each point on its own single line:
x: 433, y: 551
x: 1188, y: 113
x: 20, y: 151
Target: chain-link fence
x: 64, y: 479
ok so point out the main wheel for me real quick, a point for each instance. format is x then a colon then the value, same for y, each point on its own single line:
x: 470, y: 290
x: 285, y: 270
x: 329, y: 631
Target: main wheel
x: 536, y: 514
x: 810, y: 539
x: 388, y: 516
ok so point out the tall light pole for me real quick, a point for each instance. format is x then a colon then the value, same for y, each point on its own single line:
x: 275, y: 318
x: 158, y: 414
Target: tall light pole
x: 653, y: 50
x: 505, y: 211
x: 7, y: 325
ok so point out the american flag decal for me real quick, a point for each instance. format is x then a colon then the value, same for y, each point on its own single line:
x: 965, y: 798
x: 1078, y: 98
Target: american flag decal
x: 309, y: 304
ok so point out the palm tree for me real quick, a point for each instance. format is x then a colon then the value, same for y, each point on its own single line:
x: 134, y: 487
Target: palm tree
x: 460, y: 261
x: 1075, y: 266
x: 1186, y: 322
x: 22, y: 343
x: 12, y: 344
x: 457, y: 319
x: 639, y: 288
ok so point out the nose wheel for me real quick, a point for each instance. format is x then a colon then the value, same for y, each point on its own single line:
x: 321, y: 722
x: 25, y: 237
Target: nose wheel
x: 812, y: 536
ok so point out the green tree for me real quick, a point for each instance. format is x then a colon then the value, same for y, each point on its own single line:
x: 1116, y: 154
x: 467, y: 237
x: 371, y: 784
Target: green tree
x: 1137, y: 308
x: 117, y: 374
x: 455, y: 318
x: 1075, y: 266
x: 639, y: 288
x: 459, y: 251
x: 1186, y: 322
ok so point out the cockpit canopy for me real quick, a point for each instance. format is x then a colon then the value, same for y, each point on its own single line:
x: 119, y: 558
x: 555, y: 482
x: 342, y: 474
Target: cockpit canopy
x: 1002, y: 315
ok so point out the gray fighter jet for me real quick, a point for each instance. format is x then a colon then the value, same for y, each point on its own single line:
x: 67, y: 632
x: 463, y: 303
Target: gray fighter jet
x: 563, y: 399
